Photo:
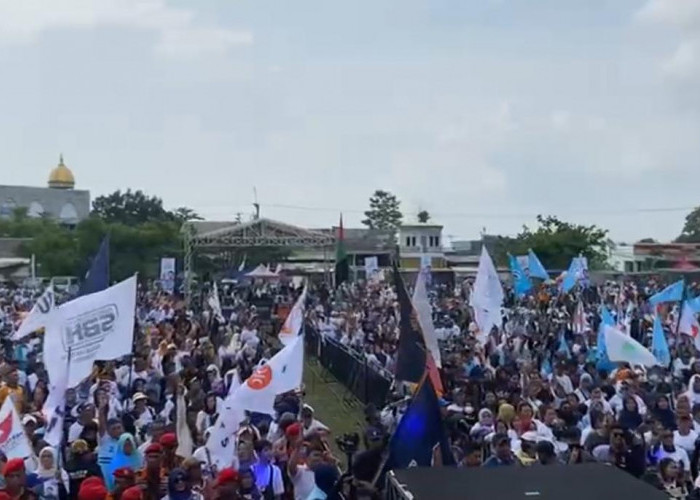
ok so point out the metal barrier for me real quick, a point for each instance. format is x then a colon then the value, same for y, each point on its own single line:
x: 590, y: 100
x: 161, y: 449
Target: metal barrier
x: 367, y: 383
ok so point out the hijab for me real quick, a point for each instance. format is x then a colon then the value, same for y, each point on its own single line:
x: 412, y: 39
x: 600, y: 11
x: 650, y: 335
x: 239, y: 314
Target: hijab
x: 629, y: 419
x: 42, y: 472
x: 120, y: 459
x: 176, y: 475
x: 665, y: 416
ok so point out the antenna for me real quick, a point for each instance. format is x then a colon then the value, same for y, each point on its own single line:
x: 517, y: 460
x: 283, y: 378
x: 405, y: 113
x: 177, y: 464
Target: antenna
x: 256, y: 205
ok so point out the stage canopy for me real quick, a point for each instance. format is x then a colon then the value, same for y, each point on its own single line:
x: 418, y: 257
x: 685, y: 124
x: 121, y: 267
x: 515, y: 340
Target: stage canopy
x: 556, y: 482
x: 214, y: 237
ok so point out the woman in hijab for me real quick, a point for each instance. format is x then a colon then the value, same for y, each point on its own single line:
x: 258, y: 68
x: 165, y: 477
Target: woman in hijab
x: 207, y: 416
x: 662, y: 412
x: 629, y: 417
x: 48, y: 482
x: 179, y: 487
x: 484, y: 426
x: 127, y: 455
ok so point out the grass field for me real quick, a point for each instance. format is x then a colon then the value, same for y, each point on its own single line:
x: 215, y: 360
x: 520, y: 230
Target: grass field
x: 332, y: 405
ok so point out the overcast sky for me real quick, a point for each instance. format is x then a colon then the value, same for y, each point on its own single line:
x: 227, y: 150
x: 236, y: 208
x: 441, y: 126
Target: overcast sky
x: 483, y: 112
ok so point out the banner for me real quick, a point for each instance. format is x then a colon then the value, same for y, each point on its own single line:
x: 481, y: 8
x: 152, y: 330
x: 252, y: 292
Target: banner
x: 372, y: 269
x: 13, y: 440
x: 39, y: 316
x: 167, y: 274
x: 99, y: 326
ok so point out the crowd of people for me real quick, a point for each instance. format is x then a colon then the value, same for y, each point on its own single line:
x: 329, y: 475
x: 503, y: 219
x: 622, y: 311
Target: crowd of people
x: 531, y: 393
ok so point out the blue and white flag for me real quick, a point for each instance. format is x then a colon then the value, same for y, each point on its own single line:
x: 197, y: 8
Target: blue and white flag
x: 535, y: 267
x: 672, y: 293
x: 521, y: 283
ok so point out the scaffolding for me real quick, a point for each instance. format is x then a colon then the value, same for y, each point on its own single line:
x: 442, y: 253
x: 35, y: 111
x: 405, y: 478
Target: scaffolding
x: 217, y: 237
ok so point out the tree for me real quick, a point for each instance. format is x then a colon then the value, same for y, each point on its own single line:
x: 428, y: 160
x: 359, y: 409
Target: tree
x: 691, y: 228
x: 183, y: 214
x: 130, y: 207
x: 423, y: 216
x: 384, y: 212
x: 556, y: 242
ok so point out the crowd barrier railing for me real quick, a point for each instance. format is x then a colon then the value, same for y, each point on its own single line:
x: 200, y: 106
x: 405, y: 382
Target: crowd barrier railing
x: 367, y: 383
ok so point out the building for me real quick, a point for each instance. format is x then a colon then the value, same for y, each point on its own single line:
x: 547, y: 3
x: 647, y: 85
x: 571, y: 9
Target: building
x: 623, y: 259
x: 420, y: 246
x: 60, y: 200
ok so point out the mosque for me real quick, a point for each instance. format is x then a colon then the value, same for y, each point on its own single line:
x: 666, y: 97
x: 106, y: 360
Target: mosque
x: 60, y: 200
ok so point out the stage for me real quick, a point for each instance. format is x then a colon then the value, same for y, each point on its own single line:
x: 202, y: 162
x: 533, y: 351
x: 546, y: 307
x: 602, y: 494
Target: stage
x: 559, y: 482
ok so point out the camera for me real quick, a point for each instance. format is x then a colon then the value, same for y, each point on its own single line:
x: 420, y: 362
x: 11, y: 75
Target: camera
x: 348, y: 443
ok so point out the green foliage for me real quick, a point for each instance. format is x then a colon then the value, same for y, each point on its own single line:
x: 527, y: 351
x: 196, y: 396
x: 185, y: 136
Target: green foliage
x: 131, y: 207
x: 384, y: 212
x: 691, y: 228
x: 141, y: 232
x: 423, y: 216
x: 556, y: 242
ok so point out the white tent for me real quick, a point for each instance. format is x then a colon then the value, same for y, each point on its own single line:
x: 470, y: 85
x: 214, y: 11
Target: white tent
x: 262, y: 272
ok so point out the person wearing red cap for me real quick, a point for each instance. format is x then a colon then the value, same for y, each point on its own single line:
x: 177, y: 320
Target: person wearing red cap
x: 169, y: 443
x: 133, y: 493
x: 92, y: 491
x: 227, y: 484
x: 153, y: 477
x: 16, y: 480
x: 124, y: 478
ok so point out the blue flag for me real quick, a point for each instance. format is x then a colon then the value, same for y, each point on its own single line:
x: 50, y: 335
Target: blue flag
x: 546, y: 369
x: 536, y: 268
x: 419, y: 431
x: 521, y: 282
x: 672, y: 293
x: 97, y: 277
x: 694, y: 304
x: 572, y: 275
x: 659, y: 344
x: 563, y: 346
x: 604, y: 362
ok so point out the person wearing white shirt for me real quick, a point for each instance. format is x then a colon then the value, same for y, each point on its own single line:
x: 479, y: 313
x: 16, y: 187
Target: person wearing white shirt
x: 685, y: 436
x: 667, y: 449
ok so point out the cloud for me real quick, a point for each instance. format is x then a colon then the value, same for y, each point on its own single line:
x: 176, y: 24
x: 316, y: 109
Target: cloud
x: 682, y: 15
x: 177, y: 33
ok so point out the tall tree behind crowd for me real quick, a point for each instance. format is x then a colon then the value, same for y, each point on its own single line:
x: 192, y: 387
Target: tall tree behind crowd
x: 384, y: 212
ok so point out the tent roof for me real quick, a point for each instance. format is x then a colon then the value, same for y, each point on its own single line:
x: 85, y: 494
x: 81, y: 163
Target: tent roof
x: 575, y: 482
x: 262, y: 272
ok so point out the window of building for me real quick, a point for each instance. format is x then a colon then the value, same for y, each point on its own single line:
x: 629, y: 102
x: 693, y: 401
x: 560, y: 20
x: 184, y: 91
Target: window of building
x: 68, y: 215
x: 408, y: 241
x: 35, y: 209
x: 7, y: 208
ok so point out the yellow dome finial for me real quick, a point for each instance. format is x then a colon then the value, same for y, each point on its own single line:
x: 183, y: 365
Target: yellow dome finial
x: 61, y: 177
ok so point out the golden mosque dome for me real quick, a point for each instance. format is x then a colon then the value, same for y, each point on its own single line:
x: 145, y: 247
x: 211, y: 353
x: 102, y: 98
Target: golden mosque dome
x: 61, y: 177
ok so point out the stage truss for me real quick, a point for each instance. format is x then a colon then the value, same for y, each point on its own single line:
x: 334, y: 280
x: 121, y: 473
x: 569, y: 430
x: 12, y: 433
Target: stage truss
x: 214, y: 237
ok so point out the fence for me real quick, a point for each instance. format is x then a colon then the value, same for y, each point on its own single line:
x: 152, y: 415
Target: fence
x: 365, y: 382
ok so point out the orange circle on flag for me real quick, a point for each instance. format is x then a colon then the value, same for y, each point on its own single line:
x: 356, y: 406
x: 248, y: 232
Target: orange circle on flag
x: 260, y: 378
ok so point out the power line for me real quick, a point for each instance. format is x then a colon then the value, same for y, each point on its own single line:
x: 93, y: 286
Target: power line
x: 482, y: 215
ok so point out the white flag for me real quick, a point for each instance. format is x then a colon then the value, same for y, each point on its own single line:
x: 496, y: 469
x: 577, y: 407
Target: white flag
x: 294, y: 321
x: 425, y: 318
x: 215, y: 304
x: 13, y: 440
x: 621, y: 347
x: 55, y: 404
x: 221, y: 444
x: 487, y: 296
x: 281, y: 374
x: 98, y: 326
x: 689, y: 324
x: 39, y: 316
